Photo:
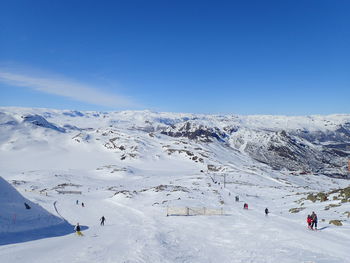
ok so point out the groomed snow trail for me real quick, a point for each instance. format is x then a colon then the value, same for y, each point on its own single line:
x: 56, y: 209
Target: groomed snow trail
x: 134, y: 234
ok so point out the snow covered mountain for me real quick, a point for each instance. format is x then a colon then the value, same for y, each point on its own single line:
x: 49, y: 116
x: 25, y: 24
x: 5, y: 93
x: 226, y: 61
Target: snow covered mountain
x: 311, y: 144
x: 137, y: 167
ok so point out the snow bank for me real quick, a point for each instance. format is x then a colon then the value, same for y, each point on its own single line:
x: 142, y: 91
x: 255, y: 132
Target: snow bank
x: 22, y: 220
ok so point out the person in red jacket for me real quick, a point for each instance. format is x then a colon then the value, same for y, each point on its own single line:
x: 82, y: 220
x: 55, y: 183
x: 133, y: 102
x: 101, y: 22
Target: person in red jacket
x: 309, y: 221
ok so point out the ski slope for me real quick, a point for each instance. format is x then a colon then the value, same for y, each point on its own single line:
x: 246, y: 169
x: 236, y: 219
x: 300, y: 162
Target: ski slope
x: 138, y: 231
x: 133, y: 194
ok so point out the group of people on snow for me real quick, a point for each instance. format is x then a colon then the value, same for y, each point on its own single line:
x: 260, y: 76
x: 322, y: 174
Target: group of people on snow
x: 82, y: 204
x: 77, y: 228
x: 245, y: 206
x: 312, y: 221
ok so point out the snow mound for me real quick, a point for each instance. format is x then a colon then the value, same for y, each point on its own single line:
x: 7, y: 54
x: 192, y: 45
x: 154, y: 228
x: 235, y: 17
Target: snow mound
x: 42, y: 122
x: 22, y: 220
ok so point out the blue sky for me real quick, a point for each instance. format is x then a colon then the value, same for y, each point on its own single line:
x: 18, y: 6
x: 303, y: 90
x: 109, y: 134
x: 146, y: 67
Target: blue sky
x: 244, y: 57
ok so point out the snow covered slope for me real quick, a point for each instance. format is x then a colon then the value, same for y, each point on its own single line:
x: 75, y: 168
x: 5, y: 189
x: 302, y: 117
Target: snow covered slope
x: 133, y: 167
x: 22, y: 220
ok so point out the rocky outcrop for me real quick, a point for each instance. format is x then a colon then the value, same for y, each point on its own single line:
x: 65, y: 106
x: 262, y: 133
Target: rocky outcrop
x: 196, y: 132
x: 283, y: 150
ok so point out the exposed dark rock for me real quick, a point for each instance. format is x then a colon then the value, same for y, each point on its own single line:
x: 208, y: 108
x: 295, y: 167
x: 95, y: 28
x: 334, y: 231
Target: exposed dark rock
x: 195, y: 132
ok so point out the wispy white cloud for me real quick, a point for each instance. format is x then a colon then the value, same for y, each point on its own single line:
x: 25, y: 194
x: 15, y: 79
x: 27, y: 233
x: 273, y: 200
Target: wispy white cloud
x: 66, y: 88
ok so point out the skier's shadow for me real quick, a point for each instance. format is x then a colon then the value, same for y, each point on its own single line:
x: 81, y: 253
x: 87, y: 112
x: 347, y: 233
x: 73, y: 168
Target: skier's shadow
x: 323, y: 228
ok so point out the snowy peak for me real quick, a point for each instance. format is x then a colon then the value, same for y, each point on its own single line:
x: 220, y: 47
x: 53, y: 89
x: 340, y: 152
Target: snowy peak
x: 41, y: 122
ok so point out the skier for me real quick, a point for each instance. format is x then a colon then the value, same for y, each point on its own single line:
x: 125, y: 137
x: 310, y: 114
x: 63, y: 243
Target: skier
x: 77, y: 202
x: 314, y: 221
x: 266, y: 211
x: 103, y: 219
x: 78, y: 230
x: 245, y: 206
x: 82, y: 204
x: 237, y: 198
x: 309, y: 221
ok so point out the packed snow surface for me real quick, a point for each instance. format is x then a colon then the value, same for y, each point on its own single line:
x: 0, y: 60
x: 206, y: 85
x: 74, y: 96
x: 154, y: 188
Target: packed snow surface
x: 121, y: 168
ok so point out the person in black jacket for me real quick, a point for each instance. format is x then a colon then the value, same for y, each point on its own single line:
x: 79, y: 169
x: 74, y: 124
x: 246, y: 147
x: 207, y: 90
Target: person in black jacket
x: 266, y: 211
x: 314, y: 220
x: 103, y: 219
x: 78, y: 230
